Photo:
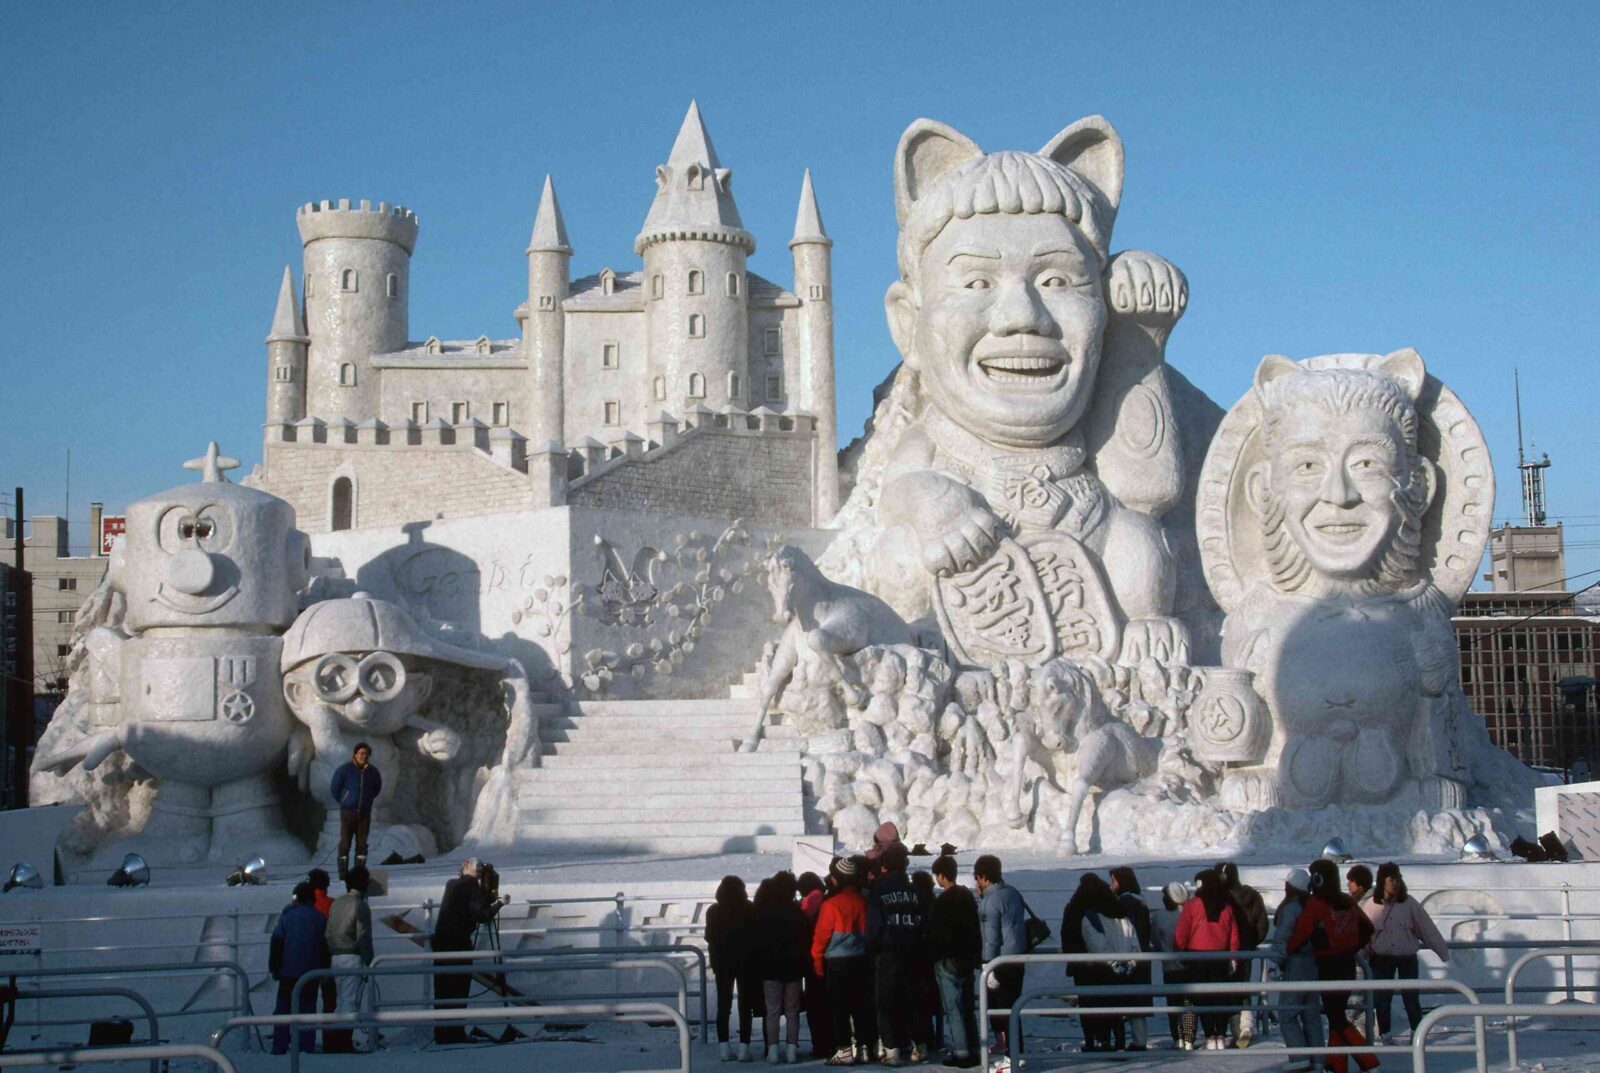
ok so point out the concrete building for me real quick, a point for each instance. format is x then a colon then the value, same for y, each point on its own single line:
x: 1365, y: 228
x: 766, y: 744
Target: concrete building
x: 598, y: 399
x: 1527, y: 558
x: 62, y: 581
x: 1529, y: 662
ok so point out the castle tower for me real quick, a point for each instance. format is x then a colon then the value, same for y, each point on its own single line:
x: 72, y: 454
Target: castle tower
x: 544, y: 322
x: 694, y: 245
x: 286, y: 358
x: 813, y: 285
x: 357, y: 267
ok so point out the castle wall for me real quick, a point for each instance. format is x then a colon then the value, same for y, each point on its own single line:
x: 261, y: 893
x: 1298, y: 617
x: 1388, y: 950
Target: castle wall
x: 392, y: 483
x: 443, y: 386
x: 763, y: 363
x: 590, y: 385
x: 719, y: 472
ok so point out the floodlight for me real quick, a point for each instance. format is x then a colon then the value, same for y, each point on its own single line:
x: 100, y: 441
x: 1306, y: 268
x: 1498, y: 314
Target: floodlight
x: 134, y: 872
x: 1334, y: 851
x: 252, y: 873
x: 1477, y: 848
x: 24, y: 875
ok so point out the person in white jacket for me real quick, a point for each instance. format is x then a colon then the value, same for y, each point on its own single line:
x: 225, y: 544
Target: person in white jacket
x: 1400, y: 928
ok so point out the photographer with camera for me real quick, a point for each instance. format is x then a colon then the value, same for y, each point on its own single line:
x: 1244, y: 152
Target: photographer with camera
x: 470, y: 900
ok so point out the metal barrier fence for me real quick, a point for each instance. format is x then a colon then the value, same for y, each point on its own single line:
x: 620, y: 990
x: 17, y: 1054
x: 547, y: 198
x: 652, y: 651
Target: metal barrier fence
x: 1430, y: 1021
x: 91, y: 992
x: 622, y: 1011
x: 241, y: 980
x: 1222, y: 991
x: 654, y: 950
x: 451, y: 966
x: 156, y: 1054
x: 1566, y: 953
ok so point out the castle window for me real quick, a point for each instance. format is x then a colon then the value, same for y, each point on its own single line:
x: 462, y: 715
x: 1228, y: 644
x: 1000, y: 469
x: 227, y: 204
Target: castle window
x: 734, y: 385
x: 774, y: 341
x: 610, y: 356
x: 817, y: 292
x: 460, y: 413
x: 733, y: 284
x: 657, y: 286
x: 697, y: 178
x: 343, y: 512
x: 697, y: 386
x: 433, y: 346
x: 392, y: 285
x: 608, y: 282
x: 547, y: 301
x: 502, y: 414
x: 347, y: 375
x: 697, y: 282
x: 308, y: 288
x: 282, y: 374
x: 661, y: 389
x: 697, y: 326
x: 349, y: 280
x: 774, y: 386
x: 419, y: 413
x: 64, y: 616
x: 482, y: 345
x: 613, y: 412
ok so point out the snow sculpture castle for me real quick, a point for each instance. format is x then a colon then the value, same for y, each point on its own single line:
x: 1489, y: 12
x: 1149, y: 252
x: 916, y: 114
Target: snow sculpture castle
x: 692, y: 384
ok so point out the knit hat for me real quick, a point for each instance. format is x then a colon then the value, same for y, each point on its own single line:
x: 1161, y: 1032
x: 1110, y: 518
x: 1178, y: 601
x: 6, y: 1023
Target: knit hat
x: 1299, y: 879
x: 1177, y: 893
x: 845, y: 866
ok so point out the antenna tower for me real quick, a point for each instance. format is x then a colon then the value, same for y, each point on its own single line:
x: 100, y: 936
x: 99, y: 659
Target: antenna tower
x: 1532, y: 472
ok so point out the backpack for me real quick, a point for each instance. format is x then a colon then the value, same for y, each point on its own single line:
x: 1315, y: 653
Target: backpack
x: 1344, y: 931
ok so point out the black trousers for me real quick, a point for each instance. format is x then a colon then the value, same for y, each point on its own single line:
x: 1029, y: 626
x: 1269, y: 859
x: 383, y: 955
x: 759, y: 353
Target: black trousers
x: 850, y: 1001
x: 749, y: 992
x: 357, y: 824
x: 450, y: 991
x: 901, y: 1003
x: 1336, y: 967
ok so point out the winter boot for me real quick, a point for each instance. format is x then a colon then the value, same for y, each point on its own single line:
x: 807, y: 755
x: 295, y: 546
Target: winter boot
x: 744, y: 1052
x: 791, y: 1053
x: 772, y: 1054
x: 724, y: 1051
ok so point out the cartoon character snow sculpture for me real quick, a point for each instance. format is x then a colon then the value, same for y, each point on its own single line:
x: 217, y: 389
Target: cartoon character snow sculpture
x: 182, y: 668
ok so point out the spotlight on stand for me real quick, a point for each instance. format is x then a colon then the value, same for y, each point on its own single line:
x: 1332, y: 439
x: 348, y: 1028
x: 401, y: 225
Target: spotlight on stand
x: 24, y: 875
x: 134, y: 872
x: 252, y: 873
x: 1334, y: 851
x: 1477, y: 848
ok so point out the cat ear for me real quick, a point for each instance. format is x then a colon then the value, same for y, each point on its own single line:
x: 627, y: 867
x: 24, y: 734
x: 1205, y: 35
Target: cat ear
x: 1406, y: 367
x: 927, y: 150
x: 1273, y: 367
x: 1092, y: 148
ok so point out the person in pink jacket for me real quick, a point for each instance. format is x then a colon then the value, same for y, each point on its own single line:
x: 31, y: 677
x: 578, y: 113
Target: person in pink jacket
x: 1207, y: 923
x: 1400, y: 928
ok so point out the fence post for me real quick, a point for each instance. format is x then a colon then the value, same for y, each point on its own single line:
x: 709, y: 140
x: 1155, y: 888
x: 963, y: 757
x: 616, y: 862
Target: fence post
x: 1566, y: 934
x: 427, y: 924
x: 239, y: 1000
x: 620, y: 932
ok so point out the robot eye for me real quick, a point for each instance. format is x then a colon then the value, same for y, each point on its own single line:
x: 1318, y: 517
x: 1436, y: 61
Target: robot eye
x: 202, y: 529
x: 186, y: 529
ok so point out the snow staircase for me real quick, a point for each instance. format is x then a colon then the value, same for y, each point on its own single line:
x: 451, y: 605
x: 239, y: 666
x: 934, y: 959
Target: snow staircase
x: 662, y: 776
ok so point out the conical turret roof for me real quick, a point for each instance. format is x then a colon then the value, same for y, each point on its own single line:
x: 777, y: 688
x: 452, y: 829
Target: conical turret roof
x: 694, y: 193
x: 808, y: 221
x: 287, y: 323
x: 549, y: 229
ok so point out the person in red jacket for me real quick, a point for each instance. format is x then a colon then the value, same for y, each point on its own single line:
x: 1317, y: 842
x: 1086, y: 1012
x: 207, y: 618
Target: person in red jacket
x: 1207, y: 924
x: 1336, y: 929
x: 839, y: 955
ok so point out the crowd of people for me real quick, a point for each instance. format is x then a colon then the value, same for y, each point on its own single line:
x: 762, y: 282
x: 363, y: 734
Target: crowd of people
x: 883, y: 961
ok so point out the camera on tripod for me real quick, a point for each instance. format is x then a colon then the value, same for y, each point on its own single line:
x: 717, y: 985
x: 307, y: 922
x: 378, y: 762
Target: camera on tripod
x: 489, y: 878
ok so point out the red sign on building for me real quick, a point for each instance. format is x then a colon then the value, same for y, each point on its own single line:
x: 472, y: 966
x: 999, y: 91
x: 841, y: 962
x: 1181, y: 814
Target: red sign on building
x: 111, y: 527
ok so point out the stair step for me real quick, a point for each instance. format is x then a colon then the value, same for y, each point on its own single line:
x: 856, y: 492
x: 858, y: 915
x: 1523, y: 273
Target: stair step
x: 646, y: 721
x: 664, y: 747
x: 653, y: 733
x: 700, y: 760
x: 748, y: 817
x: 664, y: 845
x: 665, y: 708
x: 648, y: 829
x: 663, y: 796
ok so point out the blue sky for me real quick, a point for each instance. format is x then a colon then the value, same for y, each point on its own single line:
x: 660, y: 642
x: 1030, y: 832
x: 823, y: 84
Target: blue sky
x: 1331, y: 178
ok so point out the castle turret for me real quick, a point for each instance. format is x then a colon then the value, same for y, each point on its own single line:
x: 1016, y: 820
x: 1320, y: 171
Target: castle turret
x: 813, y: 285
x: 357, y: 279
x: 544, y: 322
x: 286, y: 357
x: 694, y: 247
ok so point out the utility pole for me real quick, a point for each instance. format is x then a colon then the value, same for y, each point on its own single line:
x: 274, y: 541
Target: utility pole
x: 1532, y: 473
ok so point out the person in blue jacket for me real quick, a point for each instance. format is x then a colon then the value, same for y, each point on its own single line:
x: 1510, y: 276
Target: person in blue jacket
x: 356, y: 785
x: 299, y: 944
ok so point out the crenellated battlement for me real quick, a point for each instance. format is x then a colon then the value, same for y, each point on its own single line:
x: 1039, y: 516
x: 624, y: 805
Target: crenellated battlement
x: 341, y: 219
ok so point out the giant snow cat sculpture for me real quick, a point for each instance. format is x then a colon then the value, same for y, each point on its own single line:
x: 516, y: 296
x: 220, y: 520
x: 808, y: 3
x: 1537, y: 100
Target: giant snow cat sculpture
x: 1027, y: 501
